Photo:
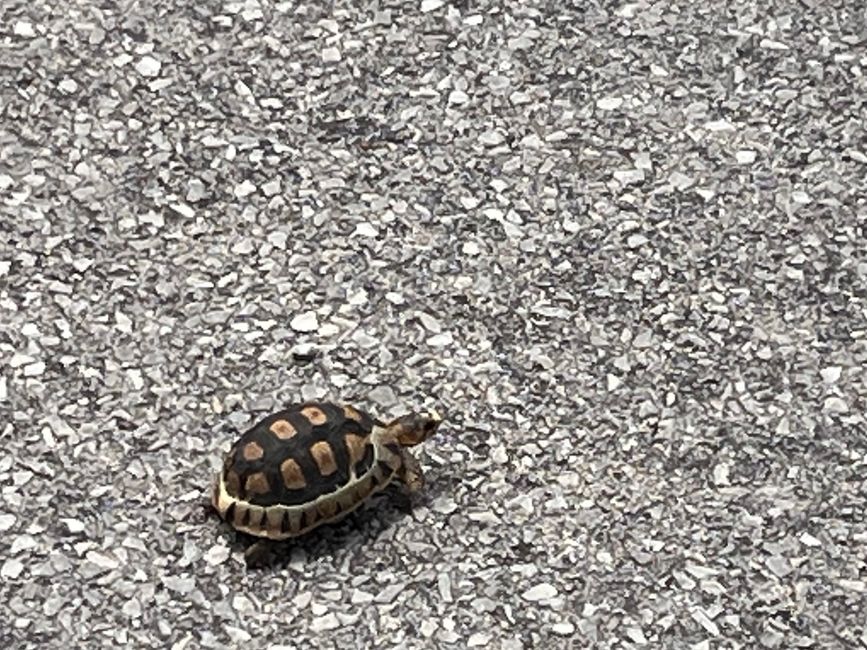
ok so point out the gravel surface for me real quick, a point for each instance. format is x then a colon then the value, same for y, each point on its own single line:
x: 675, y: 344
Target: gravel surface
x: 622, y: 247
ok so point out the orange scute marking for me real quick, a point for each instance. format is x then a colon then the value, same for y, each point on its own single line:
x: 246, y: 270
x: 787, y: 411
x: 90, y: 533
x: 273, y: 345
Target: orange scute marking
x: 283, y: 430
x: 351, y: 413
x: 253, y: 451
x: 233, y: 483
x: 257, y: 483
x: 355, y: 447
x: 315, y: 415
x: 293, y: 477
x: 324, y: 457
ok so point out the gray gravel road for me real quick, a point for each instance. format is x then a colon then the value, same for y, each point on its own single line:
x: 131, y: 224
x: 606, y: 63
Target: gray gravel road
x: 620, y: 245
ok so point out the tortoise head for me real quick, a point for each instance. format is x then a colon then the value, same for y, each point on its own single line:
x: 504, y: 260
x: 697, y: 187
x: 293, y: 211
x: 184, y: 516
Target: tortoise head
x: 414, y: 428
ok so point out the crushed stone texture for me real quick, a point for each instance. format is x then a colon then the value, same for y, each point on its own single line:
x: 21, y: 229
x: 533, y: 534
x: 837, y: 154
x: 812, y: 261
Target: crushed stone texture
x: 621, y: 246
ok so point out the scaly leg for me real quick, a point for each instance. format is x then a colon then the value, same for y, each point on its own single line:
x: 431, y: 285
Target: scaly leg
x: 258, y: 554
x: 410, y: 472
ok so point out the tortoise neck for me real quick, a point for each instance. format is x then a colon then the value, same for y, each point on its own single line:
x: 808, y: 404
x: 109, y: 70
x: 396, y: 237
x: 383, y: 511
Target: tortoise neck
x: 385, y: 434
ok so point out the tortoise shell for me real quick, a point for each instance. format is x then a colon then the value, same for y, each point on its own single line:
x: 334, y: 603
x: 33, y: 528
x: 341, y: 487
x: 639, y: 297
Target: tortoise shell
x: 303, y: 466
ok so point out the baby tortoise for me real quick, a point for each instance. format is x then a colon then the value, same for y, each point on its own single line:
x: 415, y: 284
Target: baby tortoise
x: 314, y: 463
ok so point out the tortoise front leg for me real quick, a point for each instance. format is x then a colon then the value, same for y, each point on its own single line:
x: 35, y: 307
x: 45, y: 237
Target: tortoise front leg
x: 259, y: 553
x: 410, y: 472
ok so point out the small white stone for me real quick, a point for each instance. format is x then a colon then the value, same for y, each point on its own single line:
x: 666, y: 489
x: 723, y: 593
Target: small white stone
x: 491, y: 138
x: 719, y: 125
x: 612, y: 381
x: 444, y: 584
x: 243, y: 247
x: 365, y: 229
x: 636, y: 635
x: 721, y: 474
x: 808, y: 540
x: 122, y: 322
x: 272, y: 187
x: 121, y: 60
x: 394, y: 298
x: 470, y: 248
x: 440, y: 340
x: 180, y: 585
x: 135, y: 377
x: 73, y: 525
x: 244, y: 189
x: 34, y: 369
x: 745, y: 156
x: 217, y: 554
x: 242, y: 604
x: 243, y: 89
x: 628, y: 176
x: 835, y: 405
x: 458, y: 97
x: 779, y: 565
x: 331, y: 55
x: 6, y: 522
x: 636, y: 240
x: 563, y: 629
x: 571, y: 226
x: 68, y: 85
x: 770, y: 44
x: 102, y: 560
x: 542, y: 591
x: 22, y: 543
x: 11, y: 569
x: 360, y: 597
x: 700, y: 617
x: 238, y: 635
x: 195, y: 191
x: 444, y: 505
x: 609, y: 103
x: 305, y: 322
x: 148, y: 66
x: 699, y: 571
x: 359, y: 297
x: 643, y: 161
x: 470, y: 202
x: 131, y: 608
x: 430, y: 5
x: 302, y: 600
x: 853, y: 585
x: 182, y: 209
x: 831, y: 374
x: 325, y: 623
x: 23, y: 29
x: 478, y: 639
x: 428, y: 627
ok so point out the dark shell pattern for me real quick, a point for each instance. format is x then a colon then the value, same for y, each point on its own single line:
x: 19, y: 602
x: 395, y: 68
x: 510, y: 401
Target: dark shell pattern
x: 299, y: 454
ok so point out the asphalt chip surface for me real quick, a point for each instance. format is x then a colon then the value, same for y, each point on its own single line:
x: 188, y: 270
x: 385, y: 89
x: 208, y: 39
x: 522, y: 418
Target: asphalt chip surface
x: 621, y: 246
